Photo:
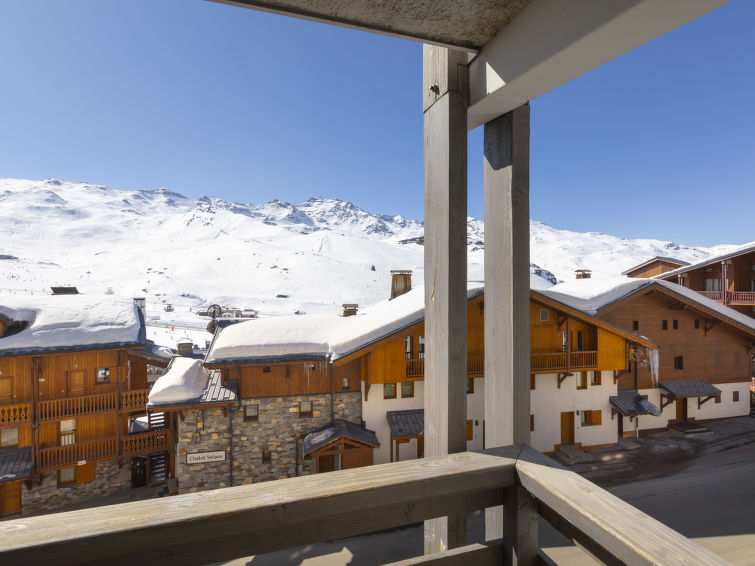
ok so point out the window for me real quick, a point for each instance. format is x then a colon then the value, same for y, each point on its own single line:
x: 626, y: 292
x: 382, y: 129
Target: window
x: 408, y: 347
x: 266, y: 369
x: 305, y: 409
x: 635, y: 325
x: 470, y: 385
x: 470, y: 430
x: 9, y: 437
x: 345, y: 384
x: 532, y: 381
x: 421, y: 351
x: 103, y: 376
x: 251, y: 413
x: 267, y: 457
x: 665, y: 325
x: 676, y: 325
x: 678, y: 362
x: 66, y: 476
x: 697, y: 323
x: 735, y: 396
x: 544, y: 315
x: 591, y: 418
x: 712, y: 284
x: 594, y: 378
x: 68, y: 432
x: 389, y: 390
x: 581, y: 380
x: 407, y: 389
x: 532, y: 423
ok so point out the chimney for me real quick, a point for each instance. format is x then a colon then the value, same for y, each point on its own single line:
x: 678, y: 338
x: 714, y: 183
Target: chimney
x: 350, y: 309
x: 184, y: 347
x: 583, y: 273
x: 401, y: 282
x: 141, y: 303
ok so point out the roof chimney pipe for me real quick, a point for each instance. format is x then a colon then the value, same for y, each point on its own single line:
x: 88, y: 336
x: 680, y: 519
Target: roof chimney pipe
x: 350, y: 309
x: 583, y: 273
x: 401, y: 282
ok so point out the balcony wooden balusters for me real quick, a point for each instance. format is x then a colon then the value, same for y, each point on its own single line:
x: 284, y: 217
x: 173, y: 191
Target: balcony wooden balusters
x: 584, y: 360
x: 742, y: 298
x: 224, y: 524
x: 475, y: 366
x: 556, y: 361
x: 713, y: 295
x: 145, y: 443
x: 553, y: 361
x: 58, y: 457
x: 136, y: 399
x: 75, y: 406
x: 415, y: 367
x: 17, y: 414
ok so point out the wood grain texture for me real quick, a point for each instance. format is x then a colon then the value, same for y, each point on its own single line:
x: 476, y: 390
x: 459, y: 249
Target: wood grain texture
x: 625, y: 532
x: 231, y: 522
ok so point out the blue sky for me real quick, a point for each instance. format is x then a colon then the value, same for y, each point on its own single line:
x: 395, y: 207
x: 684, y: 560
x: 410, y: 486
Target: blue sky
x: 205, y: 98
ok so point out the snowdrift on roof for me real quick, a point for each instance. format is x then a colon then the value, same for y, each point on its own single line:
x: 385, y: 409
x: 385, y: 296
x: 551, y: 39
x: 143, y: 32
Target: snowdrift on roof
x: 60, y: 321
x: 184, y: 381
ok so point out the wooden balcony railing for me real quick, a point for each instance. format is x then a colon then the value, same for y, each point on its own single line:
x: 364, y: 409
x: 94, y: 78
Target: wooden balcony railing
x: 224, y: 524
x: 415, y: 368
x: 713, y: 295
x: 17, y: 414
x: 742, y: 297
x: 58, y: 457
x: 134, y: 400
x: 73, y: 406
x: 145, y: 442
x: 556, y: 361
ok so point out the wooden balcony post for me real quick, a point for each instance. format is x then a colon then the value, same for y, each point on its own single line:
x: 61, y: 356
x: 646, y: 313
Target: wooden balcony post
x: 445, y: 97
x: 507, y: 294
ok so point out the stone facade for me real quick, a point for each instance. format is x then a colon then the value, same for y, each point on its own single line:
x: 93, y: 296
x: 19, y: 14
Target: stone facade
x: 278, y: 430
x: 109, y: 479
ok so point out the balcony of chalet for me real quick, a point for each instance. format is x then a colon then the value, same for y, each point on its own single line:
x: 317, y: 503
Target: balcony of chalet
x: 563, y: 361
x: 415, y: 367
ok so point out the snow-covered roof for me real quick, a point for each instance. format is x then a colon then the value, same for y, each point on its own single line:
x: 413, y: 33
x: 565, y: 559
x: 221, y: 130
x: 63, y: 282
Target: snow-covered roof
x: 184, y: 381
x: 321, y: 335
x: 593, y: 295
x: 746, y: 248
x: 63, y: 322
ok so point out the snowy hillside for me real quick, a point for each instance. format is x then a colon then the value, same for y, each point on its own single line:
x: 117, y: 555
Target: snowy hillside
x: 277, y: 257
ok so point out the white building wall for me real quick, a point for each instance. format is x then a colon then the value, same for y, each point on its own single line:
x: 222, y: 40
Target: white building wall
x: 375, y: 408
x: 548, y: 401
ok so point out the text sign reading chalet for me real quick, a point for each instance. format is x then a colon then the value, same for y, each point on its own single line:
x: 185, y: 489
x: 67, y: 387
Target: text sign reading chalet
x: 204, y: 457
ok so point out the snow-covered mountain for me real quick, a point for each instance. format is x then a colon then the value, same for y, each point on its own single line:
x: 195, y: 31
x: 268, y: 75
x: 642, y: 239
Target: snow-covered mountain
x: 277, y: 257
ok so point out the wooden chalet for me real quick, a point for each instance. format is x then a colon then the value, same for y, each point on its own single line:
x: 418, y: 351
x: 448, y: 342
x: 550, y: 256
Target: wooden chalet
x: 67, y: 401
x: 655, y: 266
x: 705, y: 349
x: 728, y: 279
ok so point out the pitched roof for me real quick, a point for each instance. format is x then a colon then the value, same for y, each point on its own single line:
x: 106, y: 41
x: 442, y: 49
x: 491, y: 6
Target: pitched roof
x: 406, y: 423
x: 689, y: 388
x: 741, y: 250
x: 631, y: 403
x: 15, y: 464
x: 336, y: 429
x: 678, y: 262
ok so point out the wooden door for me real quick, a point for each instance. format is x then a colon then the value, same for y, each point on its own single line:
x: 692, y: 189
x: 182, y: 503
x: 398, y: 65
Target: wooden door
x: 76, y: 383
x: 567, y: 428
x: 326, y: 463
x: 620, y: 420
x: 10, y: 498
x: 681, y: 410
x: 6, y: 390
x: 356, y: 459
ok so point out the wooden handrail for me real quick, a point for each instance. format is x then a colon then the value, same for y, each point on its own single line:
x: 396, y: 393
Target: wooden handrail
x: 223, y: 524
x: 713, y: 295
x: 552, y: 361
x: 134, y: 399
x: 73, y: 406
x: 59, y: 457
x: 584, y: 360
x: 145, y: 442
x: 16, y: 414
x: 415, y: 367
x: 742, y: 297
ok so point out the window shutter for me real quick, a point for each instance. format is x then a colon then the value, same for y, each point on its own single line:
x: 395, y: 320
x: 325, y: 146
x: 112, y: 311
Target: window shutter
x: 470, y: 434
x: 597, y: 417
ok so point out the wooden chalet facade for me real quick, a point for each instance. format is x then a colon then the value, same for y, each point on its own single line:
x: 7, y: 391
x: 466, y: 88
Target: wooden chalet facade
x: 67, y: 411
x: 655, y: 266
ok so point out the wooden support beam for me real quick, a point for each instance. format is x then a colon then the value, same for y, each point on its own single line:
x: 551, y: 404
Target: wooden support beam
x: 562, y: 377
x: 666, y: 400
x: 507, y: 287
x: 706, y: 399
x: 445, y: 91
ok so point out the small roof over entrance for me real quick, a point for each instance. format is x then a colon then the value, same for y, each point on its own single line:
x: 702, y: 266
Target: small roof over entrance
x: 406, y: 423
x: 336, y: 430
x: 631, y: 404
x: 15, y: 464
x: 690, y: 388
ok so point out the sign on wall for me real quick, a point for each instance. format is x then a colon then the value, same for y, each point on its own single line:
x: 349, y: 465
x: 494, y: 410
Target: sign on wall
x: 204, y: 457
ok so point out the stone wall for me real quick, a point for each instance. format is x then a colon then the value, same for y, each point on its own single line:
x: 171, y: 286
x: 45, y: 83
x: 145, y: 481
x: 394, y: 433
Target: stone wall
x: 109, y: 479
x: 278, y: 429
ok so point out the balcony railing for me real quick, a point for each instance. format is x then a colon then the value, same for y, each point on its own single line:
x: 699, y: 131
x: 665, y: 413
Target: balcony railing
x: 415, y: 367
x: 556, y: 361
x: 59, y: 457
x: 12, y: 415
x: 74, y: 406
x: 224, y: 524
x: 731, y: 297
x: 713, y: 295
x: 145, y: 443
x: 135, y: 399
